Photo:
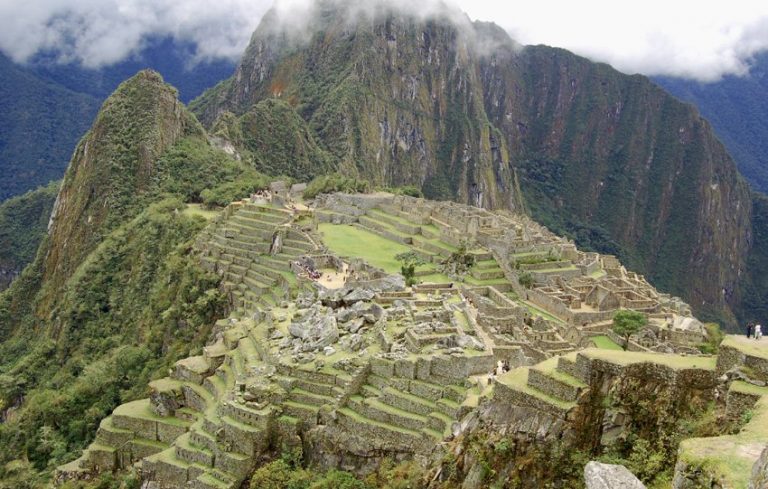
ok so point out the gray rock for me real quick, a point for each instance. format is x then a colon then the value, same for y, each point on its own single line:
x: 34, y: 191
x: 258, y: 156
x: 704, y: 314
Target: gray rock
x: 329, y: 350
x: 607, y: 476
x: 352, y: 343
x: 354, y: 326
x: 358, y: 295
x: 467, y: 341
x: 276, y: 335
x: 759, y: 478
x: 369, y: 318
x: 376, y: 310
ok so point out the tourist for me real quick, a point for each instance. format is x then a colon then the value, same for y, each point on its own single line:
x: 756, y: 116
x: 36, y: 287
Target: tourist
x: 758, y: 331
x: 750, y: 328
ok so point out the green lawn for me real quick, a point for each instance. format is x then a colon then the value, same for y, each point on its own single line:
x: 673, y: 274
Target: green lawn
x: 350, y: 241
x: 605, y: 343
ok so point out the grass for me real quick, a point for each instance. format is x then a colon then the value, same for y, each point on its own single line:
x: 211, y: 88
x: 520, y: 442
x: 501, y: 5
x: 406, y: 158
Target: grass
x: 746, y: 388
x: 605, y: 343
x: 435, y: 278
x: 197, y: 210
x: 140, y: 410
x: 549, y: 367
x: 676, y: 362
x: 731, y: 456
x: 350, y: 241
x: 755, y: 348
x: 518, y: 379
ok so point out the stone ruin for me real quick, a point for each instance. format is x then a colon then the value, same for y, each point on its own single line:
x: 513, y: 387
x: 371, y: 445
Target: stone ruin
x: 372, y: 368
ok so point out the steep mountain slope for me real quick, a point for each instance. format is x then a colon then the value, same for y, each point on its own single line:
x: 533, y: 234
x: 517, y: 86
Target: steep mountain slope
x: 135, y: 126
x: 737, y: 107
x: 40, y: 123
x: 116, y: 293
x: 23, y: 224
x: 464, y: 113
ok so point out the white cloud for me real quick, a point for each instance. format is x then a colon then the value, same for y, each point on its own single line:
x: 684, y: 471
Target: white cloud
x: 703, y: 40
x: 99, y: 32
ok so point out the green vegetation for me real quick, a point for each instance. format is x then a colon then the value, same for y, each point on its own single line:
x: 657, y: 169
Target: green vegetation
x: 277, y: 141
x: 40, y: 124
x: 750, y: 347
x: 198, y: 172
x: 605, y: 343
x: 459, y: 262
x: 676, y: 362
x: 526, y: 280
x: 23, y: 224
x: 136, y: 299
x: 715, y: 336
x: 408, y: 263
x: 626, y: 323
x: 351, y: 241
x: 335, y: 182
x: 137, y: 304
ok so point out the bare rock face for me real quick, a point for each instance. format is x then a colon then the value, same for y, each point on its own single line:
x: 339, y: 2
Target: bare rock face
x: 607, y: 476
x: 760, y: 472
x: 464, y: 113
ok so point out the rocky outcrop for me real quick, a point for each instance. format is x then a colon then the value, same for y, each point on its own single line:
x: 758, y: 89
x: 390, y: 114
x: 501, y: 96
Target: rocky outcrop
x: 608, y: 476
x: 463, y: 112
x: 760, y: 472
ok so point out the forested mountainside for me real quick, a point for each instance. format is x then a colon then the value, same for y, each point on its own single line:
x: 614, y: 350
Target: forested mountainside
x: 40, y: 123
x: 115, y: 293
x: 23, y: 225
x: 46, y: 106
x: 461, y: 111
x: 737, y: 107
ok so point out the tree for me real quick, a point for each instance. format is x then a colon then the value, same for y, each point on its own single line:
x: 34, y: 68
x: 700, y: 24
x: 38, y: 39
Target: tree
x: 526, y: 280
x: 626, y: 323
x: 408, y: 263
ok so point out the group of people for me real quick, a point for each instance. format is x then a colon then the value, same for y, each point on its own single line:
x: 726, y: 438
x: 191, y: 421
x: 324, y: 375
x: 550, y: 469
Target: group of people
x: 754, y: 330
x: 309, y: 271
x: 261, y: 196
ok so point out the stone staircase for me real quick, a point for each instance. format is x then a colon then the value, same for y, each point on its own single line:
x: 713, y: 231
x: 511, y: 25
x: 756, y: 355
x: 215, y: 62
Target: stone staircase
x: 308, y: 392
x: 240, y: 246
x: 402, y: 413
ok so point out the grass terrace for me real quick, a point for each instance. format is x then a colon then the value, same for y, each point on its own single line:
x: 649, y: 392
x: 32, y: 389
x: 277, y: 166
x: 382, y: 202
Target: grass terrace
x: 605, y: 343
x: 752, y: 347
x: 350, y: 241
x: 676, y: 362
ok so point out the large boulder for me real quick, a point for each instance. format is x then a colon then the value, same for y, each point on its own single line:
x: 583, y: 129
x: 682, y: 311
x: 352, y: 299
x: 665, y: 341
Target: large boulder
x: 316, y: 330
x: 607, y: 476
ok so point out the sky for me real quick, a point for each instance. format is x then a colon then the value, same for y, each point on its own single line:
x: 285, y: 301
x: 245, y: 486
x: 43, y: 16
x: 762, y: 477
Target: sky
x: 693, y: 39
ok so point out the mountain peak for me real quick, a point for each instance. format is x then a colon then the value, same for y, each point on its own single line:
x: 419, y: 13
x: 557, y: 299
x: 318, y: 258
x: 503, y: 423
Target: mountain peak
x: 111, y: 166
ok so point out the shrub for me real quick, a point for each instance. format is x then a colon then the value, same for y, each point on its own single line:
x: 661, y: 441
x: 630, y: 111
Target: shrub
x: 228, y: 192
x: 526, y: 280
x: 335, y: 182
